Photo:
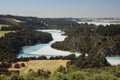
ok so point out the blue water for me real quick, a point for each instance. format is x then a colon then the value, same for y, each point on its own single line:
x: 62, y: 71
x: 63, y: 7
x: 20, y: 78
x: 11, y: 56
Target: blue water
x: 45, y: 49
x: 114, y: 60
x: 28, y: 49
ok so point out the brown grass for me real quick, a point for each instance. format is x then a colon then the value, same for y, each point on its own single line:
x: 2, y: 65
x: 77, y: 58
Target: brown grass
x: 50, y: 65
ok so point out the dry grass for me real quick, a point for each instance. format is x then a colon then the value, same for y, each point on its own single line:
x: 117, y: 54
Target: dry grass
x: 50, y: 65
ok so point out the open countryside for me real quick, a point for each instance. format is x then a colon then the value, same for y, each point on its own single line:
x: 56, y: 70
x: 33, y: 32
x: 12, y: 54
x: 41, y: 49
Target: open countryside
x: 60, y: 40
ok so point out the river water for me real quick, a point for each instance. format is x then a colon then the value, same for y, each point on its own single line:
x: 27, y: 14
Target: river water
x: 98, y: 23
x: 45, y: 49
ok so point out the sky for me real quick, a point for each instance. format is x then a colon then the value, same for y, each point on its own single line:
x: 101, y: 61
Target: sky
x: 61, y: 8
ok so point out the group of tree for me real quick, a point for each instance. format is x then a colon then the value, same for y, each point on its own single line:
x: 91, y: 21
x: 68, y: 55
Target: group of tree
x: 96, y: 41
x: 88, y: 39
x: 13, y: 42
x: 89, y: 61
x: 36, y: 23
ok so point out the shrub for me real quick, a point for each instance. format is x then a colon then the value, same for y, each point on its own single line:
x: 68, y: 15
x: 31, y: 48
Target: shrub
x: 77, y: 76
x: 59, y: 76
x: 22, y: 65
x: 16, y: 77
x: 61, y: 69
x: 17, y: 65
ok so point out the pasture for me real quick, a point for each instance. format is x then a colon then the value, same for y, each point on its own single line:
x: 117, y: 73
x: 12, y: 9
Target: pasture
x: 50, y: 65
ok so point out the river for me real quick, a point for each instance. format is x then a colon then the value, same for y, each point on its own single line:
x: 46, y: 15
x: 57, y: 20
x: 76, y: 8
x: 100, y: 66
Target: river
x: 45, y: 49
x: 99, y: 23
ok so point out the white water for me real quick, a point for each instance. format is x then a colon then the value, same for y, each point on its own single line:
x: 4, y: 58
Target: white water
x: 114, y: 60
x: 45, y: 49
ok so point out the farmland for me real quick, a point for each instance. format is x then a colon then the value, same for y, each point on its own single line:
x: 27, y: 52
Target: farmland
x: 50, y: 65
x: 2, y: 33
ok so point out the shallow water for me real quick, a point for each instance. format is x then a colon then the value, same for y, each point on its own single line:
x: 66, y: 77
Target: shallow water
x: 113, y: 60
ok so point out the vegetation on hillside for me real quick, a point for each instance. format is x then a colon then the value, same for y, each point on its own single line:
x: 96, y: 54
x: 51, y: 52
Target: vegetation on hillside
x: 96, y: 41
x: 37, y: 23
x: 8, y: 21
x: 103, y: 40
x: 71, y: 73
x: 13, y: 42
x: 2, y: 33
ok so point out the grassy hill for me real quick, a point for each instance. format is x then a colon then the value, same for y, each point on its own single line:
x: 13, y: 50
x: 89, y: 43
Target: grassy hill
x: 1, y: 26
x: 2, y: 33
x: 9, y: 21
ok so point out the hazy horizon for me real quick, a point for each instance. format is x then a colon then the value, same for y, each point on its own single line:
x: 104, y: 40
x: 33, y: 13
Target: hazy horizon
x: 61, y: 8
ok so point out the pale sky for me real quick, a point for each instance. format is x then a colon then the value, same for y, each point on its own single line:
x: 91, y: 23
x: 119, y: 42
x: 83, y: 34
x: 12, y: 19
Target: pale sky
x: 61, y: 8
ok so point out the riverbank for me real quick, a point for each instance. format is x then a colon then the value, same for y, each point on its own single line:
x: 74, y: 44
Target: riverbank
x: 46, y: 50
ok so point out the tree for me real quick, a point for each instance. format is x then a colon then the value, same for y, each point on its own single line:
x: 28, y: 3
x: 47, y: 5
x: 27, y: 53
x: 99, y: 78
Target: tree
x: 42, y: 57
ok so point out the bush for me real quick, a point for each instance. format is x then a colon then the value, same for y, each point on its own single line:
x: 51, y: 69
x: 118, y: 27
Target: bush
x: 16, y: 77
x: 97, y: 77
x: 17, y: 65
x: 77, y: 76
x: 61, y: 69
x: 72, y: 68
x: 59, y: 76
x: 46, y: 74
x: 22, y: 65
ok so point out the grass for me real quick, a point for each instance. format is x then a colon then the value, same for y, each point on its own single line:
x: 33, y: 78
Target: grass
x: 2, y: 33
x: 50, y: 65
x: 1, y: 26
x: 11, y: 21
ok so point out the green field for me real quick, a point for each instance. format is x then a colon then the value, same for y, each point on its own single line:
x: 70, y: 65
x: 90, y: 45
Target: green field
x: 10, y: 21
x: 0, y: 26
x: 2, y: 33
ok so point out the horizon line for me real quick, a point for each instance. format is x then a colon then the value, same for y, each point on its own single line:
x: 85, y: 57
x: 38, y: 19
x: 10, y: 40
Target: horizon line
x: 57, y: 17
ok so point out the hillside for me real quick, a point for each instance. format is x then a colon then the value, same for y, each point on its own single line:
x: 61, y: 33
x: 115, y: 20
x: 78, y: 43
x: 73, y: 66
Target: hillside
x: 9, y: 21
x: 96, y: 41
x: 92, y: 40
x: 12, y: 42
